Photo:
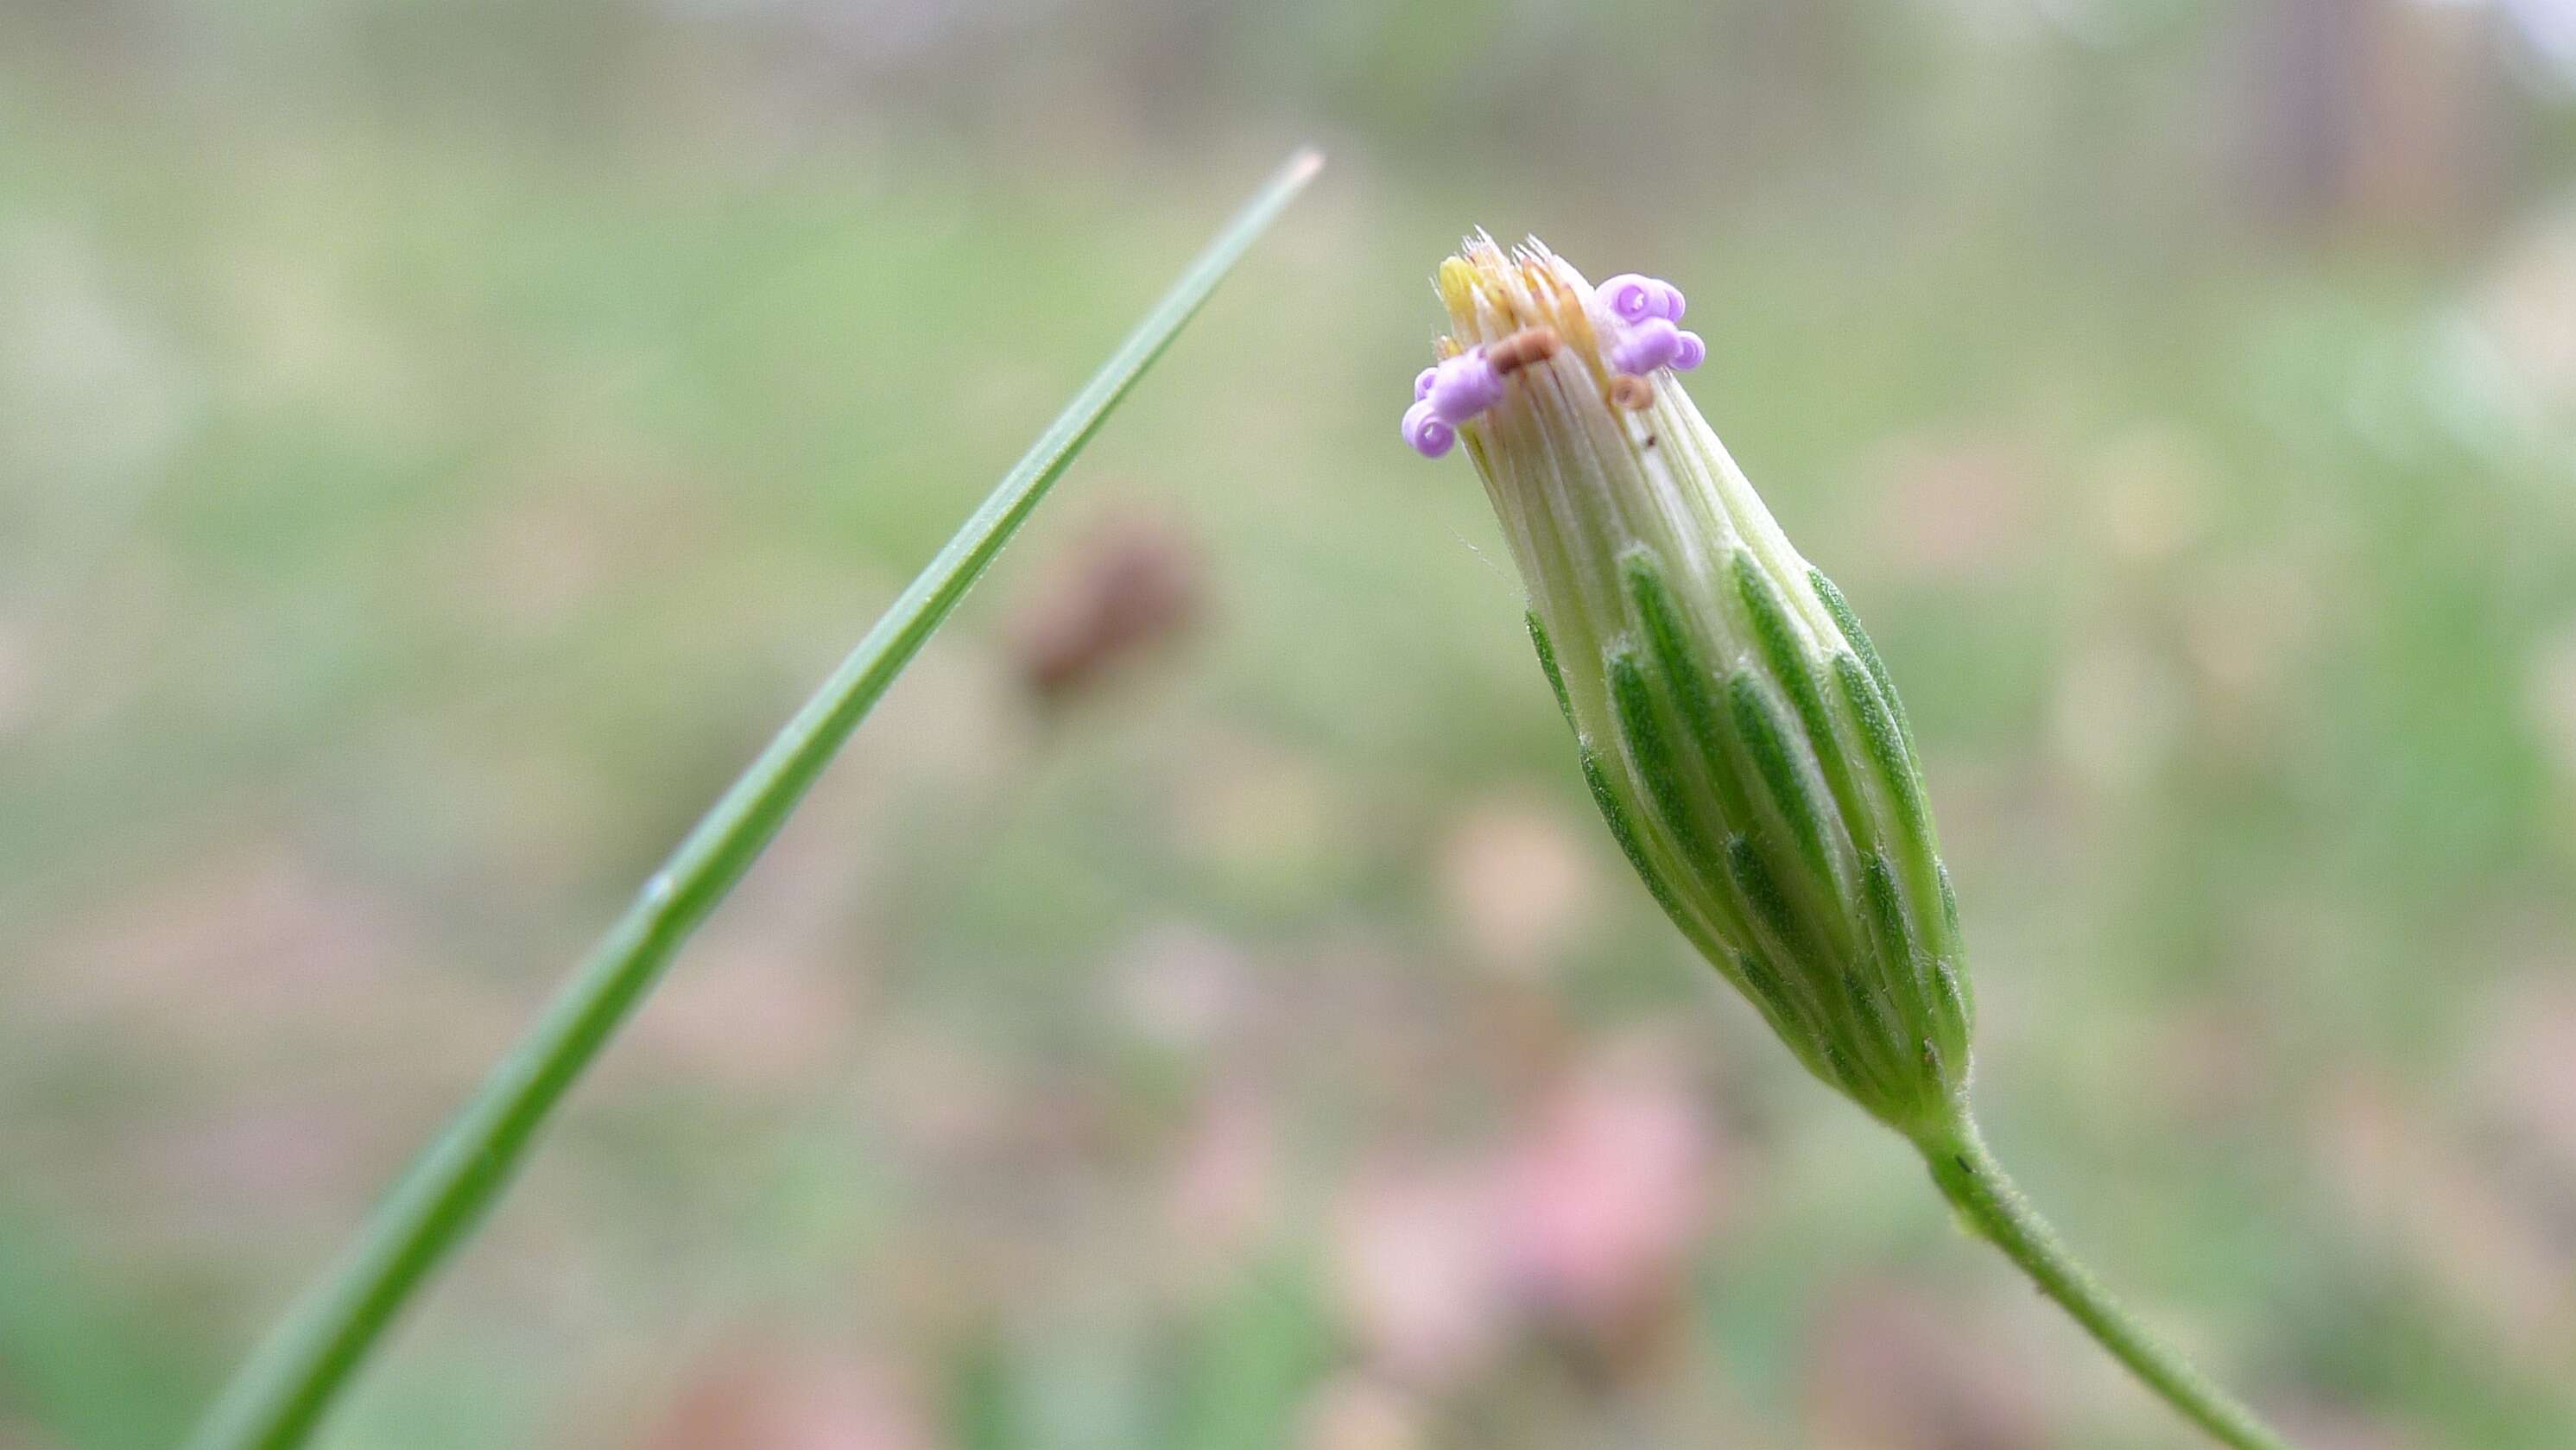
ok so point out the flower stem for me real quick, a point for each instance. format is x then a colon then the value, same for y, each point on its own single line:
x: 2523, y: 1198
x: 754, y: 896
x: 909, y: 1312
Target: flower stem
x: 1976, y: 1185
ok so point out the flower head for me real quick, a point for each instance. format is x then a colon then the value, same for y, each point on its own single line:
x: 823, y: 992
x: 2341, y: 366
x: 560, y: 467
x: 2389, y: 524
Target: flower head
x: 1737, y: 729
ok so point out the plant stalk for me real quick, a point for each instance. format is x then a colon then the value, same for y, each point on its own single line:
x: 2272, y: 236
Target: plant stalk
x: 1977, y: 1186
x: 275, y: 1400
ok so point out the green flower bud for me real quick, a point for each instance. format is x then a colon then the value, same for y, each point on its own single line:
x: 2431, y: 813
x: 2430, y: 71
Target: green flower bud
x: 1737, y: 730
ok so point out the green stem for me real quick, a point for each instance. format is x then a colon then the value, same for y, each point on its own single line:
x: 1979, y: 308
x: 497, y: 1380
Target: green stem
x: 276, y: 1399
x: 1975, y: 1183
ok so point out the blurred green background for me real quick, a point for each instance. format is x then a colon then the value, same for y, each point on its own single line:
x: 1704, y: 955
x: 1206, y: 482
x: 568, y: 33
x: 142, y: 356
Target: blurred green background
x: 439, y: 443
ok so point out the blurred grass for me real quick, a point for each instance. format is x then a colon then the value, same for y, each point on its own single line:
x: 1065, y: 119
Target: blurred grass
x: 359, y: 451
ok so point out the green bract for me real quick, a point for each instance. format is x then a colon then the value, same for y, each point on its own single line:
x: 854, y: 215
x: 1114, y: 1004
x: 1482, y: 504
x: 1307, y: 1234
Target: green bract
x: 1738, y: 731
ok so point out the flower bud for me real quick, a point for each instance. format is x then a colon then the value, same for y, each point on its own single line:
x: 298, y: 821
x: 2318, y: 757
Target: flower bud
x: 1737, y: 729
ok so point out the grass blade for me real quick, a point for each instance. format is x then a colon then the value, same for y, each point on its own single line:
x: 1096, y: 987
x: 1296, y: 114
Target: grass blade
x: 279, y: 1395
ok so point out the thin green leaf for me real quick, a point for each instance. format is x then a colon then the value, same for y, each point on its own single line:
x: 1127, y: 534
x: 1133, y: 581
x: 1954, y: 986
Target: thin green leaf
x: 276, y: 1398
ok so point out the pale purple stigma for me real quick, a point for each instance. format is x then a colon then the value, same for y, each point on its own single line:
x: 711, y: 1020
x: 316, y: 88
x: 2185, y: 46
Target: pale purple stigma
x: 1691, y: 353
x: 1462, y: 387
x: 1446, y: 396
x: 1423, y: 429
x: 1632, y: 298
x: 1645, y: 347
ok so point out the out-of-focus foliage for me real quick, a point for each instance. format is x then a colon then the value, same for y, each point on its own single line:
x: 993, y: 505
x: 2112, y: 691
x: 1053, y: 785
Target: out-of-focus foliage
x: 437, y: 444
